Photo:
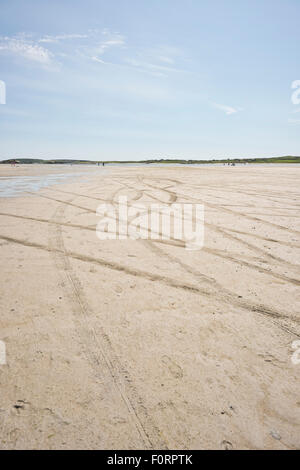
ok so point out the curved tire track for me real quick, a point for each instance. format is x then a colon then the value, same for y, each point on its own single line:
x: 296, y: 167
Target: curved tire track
x: 99, y: 343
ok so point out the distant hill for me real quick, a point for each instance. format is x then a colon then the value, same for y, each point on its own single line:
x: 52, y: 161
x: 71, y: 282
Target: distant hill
x: 286, y: 159
x: 67, y: 161
x: 62, y: 161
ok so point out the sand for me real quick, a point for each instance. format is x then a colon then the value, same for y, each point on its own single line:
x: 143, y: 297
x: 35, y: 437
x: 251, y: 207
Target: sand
x: 140, y: 344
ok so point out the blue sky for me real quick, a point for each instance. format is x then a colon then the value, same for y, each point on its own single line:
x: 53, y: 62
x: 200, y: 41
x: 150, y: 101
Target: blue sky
x: 140, y: 79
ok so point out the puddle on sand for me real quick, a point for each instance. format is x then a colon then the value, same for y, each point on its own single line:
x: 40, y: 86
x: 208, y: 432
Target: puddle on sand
x: 12, y: 186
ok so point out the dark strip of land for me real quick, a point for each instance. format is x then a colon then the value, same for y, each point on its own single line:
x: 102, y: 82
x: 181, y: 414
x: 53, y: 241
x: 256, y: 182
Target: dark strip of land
x: 285, y: 159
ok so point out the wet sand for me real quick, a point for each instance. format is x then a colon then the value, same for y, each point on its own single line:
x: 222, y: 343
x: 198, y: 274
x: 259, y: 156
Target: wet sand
x: 124, y: 344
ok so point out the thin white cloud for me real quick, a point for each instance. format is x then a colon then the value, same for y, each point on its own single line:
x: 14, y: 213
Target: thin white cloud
x: 96, y: 59
x: 103, y: 47
x: 227, y: 109
x: 159, y: 60
x: 294, y: 121
x: 20, y: 46
x: 62, y: 37
x: 167, y: 60
x: 99, y: 44
x: 151, y: 66
x: 30, y: 47
x: 114, y: 41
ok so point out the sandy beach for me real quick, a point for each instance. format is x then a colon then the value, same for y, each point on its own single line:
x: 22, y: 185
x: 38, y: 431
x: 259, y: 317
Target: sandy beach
x: 142, y: 344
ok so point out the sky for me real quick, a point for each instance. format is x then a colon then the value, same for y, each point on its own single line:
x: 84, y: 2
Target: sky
x: 138, y: 79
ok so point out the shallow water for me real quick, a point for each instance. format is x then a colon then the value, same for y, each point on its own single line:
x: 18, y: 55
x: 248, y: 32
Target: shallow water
x: 12, y: 186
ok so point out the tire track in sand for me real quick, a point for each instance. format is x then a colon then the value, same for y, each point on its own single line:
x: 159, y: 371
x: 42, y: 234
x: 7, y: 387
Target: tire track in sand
x: 194, y: 289
x: 99, y: 342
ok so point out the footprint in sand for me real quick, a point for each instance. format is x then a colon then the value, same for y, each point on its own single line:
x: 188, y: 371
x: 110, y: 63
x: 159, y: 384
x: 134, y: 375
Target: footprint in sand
x: 174, y: 368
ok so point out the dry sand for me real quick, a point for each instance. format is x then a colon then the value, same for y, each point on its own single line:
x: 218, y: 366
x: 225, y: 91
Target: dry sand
x: 142, y: 344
